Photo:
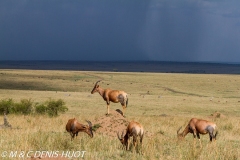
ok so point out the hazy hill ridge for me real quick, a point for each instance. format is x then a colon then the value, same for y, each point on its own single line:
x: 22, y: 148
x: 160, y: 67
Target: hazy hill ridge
x: 126, y: 66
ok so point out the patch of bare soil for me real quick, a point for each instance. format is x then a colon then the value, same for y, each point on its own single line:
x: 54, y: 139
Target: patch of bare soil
x: 110, y: 124
x: 113, y: 123
x: 218, y: 115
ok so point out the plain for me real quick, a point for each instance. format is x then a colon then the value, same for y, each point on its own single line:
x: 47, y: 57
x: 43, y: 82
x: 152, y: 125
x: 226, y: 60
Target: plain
x: 161, y: 102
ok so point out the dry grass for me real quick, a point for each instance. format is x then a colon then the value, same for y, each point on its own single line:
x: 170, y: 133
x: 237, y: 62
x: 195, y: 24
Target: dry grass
x: 161, y: 102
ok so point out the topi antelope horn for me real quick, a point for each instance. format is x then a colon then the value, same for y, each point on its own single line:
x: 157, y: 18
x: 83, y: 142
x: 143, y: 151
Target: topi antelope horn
x: 97, y: 82
x: 89, y: 123
x: 179, y: 130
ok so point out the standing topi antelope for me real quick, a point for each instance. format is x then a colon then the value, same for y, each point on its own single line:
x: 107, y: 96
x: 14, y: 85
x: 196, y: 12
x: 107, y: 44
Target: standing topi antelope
x: 134, y: 129
x: 73, y: 127
x: 111, y: 95
x: 197, y: 127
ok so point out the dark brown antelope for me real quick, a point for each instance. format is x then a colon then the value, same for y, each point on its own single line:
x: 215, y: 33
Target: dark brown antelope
x: 111, y: 95
x: 135, y: 130
x: 73, y: 127
x: 197, y: 127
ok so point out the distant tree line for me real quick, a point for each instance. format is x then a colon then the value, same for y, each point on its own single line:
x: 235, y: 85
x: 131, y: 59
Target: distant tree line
x: 27, y: 106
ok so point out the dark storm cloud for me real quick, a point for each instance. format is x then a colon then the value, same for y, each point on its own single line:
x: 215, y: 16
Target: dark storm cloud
x: 83, y: 30
x: 172, y: 31
x: 185, y: 30
x: 192, y: 30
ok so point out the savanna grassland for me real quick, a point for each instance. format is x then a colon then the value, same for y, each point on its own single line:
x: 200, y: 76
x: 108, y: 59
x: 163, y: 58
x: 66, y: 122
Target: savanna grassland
x: 161, y: 102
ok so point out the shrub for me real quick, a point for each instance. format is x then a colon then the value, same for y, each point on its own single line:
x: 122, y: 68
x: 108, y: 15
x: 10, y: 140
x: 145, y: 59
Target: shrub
x: 6, y: 105
x: 41, y: 109
x: 50, y: 107
x: 54, y: 107
x: 96, y: 126
x: 24, y: 107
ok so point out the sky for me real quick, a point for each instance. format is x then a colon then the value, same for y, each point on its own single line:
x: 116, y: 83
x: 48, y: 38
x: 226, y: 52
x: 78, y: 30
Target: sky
x: 120, y: 30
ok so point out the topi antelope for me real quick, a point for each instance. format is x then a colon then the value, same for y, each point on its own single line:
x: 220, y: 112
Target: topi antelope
x: 134, y: 129
x: 73, y: 127
x: 111, y: 95
x: 197, y: 127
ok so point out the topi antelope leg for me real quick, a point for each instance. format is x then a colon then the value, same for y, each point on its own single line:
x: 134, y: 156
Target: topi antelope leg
x: 198, y: 135
x: 128, y: 141
x: 194, y: 137
x: 108, y: 107
x: 135, y: 142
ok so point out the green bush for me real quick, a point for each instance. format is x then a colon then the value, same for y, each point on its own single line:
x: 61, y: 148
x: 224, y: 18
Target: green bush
x: 6, y: 105
x: 26, y: 106
x: 96, y: 126
x: 54, y: 107
x: 41, y: 109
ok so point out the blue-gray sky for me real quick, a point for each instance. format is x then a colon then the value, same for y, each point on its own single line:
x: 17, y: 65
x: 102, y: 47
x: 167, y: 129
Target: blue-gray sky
x: 161, y: 30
